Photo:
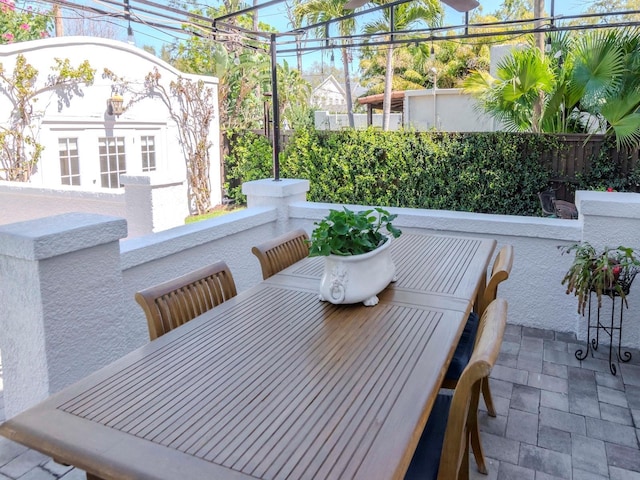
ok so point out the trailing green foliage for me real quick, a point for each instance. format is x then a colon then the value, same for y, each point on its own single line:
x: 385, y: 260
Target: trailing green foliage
x: 497, y: 173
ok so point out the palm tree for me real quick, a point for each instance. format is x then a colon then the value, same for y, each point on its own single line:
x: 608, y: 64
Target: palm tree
x: 316, y: 11
x: 510, y: 98
x: 592, y: 75
x: 405, y: 15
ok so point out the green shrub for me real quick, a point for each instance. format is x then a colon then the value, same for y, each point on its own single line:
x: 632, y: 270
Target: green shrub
x: 250, y: 158
x: 495, y: 172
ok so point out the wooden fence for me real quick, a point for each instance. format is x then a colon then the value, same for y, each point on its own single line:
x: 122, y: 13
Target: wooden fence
x: 576, y: 158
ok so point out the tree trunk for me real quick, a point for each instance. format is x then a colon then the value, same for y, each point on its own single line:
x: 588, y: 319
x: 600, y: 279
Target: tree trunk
x: 388, y: 88
x: 254, y: 15
x: 347, y: 85
x: 538, y: 9
x: 57, y: 15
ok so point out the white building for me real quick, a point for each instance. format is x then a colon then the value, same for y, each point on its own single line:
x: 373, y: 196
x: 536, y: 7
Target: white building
x: 330, y: 96
x: 84, y: 144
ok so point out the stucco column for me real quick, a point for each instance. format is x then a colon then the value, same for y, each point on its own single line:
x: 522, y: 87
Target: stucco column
x: 610, y: 218
x: 62, y: 303
x: 153, y: 204
x: 279, y: 194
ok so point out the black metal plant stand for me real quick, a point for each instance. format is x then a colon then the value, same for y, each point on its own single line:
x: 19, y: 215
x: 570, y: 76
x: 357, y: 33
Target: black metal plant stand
x: 608, y: 329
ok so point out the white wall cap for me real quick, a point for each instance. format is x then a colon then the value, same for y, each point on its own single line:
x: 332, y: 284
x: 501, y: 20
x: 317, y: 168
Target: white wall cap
x: 609, y: 204
x: 52, y: 236
x: 445, y: 220
x: 268, y: 187
x: 152, y: 179
x: 440, y: 91
x: 64, y: 191
x: 135, y: 179
x: 136, y: 251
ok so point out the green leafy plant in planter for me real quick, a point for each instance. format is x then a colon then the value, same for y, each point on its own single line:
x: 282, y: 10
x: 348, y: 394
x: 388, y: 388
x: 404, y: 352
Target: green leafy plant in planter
x: 608, y: 272
x: 344, y: 232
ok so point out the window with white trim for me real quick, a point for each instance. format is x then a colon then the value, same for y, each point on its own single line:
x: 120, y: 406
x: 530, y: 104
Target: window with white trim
x: 112, y: 161
x: 69, y: 161
x: 148, y: 151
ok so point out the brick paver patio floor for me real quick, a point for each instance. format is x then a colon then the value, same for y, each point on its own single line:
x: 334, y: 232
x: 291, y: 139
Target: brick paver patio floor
x: 557, y: 417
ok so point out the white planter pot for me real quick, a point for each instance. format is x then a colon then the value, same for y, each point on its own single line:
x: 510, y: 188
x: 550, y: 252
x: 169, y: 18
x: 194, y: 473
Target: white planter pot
x: 357, y: 278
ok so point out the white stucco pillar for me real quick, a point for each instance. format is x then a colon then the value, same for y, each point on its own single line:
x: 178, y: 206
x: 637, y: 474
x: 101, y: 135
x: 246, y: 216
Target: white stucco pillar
x: 154, y: 204
x: 610, y: 218
x: 276, y: 193
x: 62, y: 303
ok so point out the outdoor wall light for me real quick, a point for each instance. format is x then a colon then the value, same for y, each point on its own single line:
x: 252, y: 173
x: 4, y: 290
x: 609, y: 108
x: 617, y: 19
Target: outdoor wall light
x: 115, y: 105
x: 547, y: 44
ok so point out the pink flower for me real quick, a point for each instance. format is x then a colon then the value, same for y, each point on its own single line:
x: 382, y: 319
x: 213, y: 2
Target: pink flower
x: 8, y: 37
x: 25, y: 26
x: 7, y: 5
x: 609, y: 189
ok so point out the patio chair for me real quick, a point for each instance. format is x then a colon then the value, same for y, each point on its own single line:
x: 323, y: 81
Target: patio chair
x: 499, y: 273
x: 174, y: 303
x: 552, y: 207
x: 281, y: 252
x: 546, y: 202
x: 443, y: 449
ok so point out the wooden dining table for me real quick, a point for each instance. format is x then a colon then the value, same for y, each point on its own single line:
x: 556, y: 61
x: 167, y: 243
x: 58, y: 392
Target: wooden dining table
x: 274, y: 383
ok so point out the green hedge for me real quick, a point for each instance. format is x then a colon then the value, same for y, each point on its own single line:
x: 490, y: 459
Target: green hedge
x: 494, y: 172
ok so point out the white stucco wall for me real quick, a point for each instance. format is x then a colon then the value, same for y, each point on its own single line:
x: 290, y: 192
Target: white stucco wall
x: 454, y: 111
x: 83, y: 115
x: 148, y: 202
x: 338, y: 121
x: 25, y: 201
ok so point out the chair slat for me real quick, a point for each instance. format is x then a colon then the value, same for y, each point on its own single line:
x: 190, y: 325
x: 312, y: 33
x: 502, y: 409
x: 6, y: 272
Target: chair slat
x: 282, y: 252
x: 174, y: 303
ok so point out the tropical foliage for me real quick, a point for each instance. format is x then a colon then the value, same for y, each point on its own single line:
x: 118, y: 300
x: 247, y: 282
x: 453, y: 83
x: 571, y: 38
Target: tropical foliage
x: 589, y: 82
x: 244, y: 73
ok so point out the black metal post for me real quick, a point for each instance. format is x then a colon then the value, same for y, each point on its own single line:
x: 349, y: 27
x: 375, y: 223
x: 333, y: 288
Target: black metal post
x: 276, y: 110
x: 392, y: 22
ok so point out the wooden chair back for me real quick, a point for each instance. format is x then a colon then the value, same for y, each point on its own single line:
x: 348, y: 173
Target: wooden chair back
x: 455, y: 448
x: 281, y: 252
x: 173, y: 303
x: 499, y: 273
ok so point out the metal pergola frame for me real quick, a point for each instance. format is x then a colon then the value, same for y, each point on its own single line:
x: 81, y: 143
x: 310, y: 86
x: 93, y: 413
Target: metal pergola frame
x: 206, y: 27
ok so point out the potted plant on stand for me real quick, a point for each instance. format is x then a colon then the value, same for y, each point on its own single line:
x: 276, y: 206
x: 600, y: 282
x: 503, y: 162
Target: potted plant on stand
x: 606, y: 273
x: 358, y: 262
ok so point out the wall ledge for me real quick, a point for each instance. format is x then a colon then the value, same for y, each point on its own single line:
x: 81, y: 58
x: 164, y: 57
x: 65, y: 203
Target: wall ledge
x: 135, y: 251
x: 53, y: 236
x: 450, y: 221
